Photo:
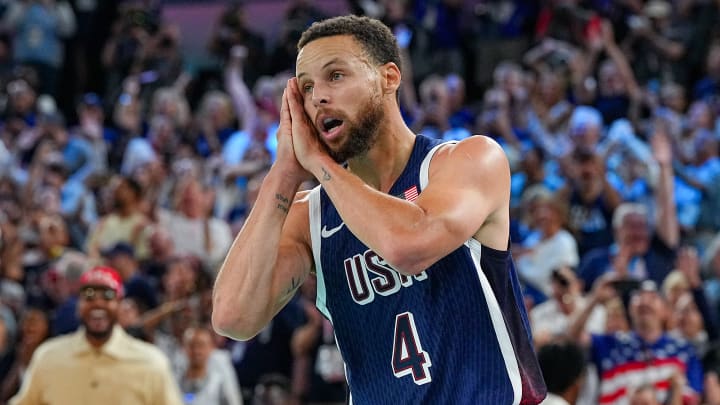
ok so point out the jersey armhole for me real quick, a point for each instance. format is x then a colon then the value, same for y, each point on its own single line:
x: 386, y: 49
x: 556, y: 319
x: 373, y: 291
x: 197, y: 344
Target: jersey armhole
x: 315, y: 212
x: 425, y: 165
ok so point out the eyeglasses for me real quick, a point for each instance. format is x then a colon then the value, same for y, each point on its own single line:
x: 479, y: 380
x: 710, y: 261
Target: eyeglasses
x: 90, y: 293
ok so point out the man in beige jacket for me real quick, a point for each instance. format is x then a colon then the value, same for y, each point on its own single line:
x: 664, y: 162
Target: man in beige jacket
x: 100, y: 363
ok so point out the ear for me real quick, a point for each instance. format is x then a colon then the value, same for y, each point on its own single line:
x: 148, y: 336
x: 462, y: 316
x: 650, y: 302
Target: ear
x: 391, y: 77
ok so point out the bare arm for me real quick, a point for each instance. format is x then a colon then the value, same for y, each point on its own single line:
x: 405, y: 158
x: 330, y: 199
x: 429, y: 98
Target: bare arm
x: 411, y: 236
x: 602, y: 292
x: 617, y: 56
x: 271, y: 256
x: 668, y: 228
x: 240, y: 94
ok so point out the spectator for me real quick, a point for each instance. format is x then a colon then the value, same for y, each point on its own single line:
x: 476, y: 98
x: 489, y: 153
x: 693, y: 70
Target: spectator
x: 232, y: 30
x: 66, y: 273
x: 40, y: 28
x: 122, y: 258
x: 34, y: 330
x: 647, y: 355
x: 563, y: 367
x: 548, y: 246
x: 126, y: 223
x: 551, y: 319
x: 659, y: 39
x: 592, y: 201
x: 711, y: 269
x: 639, y: 253
x: 201, y: 383
x: 318, y: 371
x: 193, y: 228
x: 123, y: 369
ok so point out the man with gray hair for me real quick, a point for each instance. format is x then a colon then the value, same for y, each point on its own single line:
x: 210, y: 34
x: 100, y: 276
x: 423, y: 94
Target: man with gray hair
x: 640, y: 251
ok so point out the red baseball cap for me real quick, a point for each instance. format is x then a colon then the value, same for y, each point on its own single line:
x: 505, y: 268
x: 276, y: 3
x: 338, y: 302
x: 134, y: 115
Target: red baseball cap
x: 103, y: 276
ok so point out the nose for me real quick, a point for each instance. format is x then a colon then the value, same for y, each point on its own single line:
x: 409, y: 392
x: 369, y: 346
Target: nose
x: 319, y: 95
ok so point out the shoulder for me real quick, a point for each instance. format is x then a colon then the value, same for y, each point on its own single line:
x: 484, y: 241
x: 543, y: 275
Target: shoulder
x: 480, y: 148
x: 55, y: 352
x: 148, y: 352
x: 474, y: 158
x: 565, y: 237
x: 55, y: 347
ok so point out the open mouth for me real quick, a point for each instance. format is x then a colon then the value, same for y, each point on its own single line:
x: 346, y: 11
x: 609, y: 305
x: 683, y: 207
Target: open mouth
x: 331, y: 127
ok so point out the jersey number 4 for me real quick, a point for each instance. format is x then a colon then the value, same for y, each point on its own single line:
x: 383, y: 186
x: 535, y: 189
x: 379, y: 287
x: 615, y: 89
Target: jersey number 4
x: 408, y: 357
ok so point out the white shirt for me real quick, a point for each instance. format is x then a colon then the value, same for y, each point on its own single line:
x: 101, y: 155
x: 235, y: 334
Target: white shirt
x: 189, y: 235
x: 537, y: 265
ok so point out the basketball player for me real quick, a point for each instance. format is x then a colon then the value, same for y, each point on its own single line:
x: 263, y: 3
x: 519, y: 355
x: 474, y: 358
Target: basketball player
x: 407, y: 237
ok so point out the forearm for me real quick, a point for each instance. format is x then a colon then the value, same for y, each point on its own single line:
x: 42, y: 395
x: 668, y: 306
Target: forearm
x: 626, y: 71
x: 577, y: 325
x: 668, y: 228
x: 245, y: 296
x: 241, y: 97
x: 396, y: 227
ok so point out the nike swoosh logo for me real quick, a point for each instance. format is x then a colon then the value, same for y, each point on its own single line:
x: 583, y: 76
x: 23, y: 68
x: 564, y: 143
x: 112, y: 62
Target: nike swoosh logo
x: 326, y: 233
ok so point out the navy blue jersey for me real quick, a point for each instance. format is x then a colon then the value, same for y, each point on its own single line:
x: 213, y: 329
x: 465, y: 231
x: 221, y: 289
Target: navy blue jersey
x: 457, y: 333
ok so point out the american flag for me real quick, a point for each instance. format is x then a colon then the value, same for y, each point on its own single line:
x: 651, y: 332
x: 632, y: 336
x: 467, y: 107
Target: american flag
x: 411, y: 194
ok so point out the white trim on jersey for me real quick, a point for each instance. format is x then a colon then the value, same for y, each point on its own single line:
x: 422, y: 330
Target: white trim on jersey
x: 315, y: 213
x: 425, y: 166
x: 498, y: 322
x: 315, y: 223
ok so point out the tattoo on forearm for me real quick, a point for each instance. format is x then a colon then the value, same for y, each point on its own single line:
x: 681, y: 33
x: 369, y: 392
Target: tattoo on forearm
x: 283, y: 203
x: 326, y: 175
x: 294, y: 284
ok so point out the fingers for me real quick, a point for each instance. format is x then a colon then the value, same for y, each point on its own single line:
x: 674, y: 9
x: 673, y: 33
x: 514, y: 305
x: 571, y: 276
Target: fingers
x: 295, y: 99
x: 284, y: 108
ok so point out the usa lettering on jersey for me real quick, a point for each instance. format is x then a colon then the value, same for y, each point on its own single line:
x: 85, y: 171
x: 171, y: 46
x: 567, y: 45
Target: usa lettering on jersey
x: 369, y: 275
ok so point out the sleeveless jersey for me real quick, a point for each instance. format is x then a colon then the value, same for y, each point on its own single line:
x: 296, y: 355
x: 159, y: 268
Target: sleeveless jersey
x: 457, y: 333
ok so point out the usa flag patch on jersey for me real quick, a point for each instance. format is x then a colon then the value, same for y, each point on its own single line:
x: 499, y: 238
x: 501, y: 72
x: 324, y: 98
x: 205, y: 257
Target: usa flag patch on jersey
x: 411, y: 194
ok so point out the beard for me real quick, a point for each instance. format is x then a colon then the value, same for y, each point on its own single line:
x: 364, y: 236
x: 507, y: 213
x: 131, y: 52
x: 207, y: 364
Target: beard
x: 99, y: 334
x: 361, y: 135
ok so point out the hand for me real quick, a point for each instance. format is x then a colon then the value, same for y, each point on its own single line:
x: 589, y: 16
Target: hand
x: 608, y: 34
x: 603, y: 290
x: 286, y: 159
x: 660, y: 143
x: 688, y: 264
x: 131, y: 85
x: 621, y: 261
x: 306, y: 144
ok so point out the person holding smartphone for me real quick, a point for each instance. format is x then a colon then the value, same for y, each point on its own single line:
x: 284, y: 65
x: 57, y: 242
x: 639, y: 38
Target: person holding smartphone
x: 647, y: 355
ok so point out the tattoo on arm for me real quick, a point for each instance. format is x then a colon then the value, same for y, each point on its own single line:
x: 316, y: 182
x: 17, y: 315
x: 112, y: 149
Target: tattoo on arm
x: 283, y: 203
x: 326, y: 175
x: 294, y: 284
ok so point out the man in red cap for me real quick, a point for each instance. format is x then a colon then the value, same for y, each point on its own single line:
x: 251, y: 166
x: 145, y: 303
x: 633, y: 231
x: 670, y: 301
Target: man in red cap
x: 100, y: 363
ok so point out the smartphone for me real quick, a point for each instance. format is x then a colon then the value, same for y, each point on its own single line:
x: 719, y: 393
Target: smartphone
x: 625, y: 286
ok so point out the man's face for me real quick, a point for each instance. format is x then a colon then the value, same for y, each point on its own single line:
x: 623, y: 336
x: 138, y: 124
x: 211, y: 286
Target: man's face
x: 98, y: 307
x: 634, y: 233
x: 647, y: 307
x: 342, y: 95
x: 198, y: 346
x: 123, y: 194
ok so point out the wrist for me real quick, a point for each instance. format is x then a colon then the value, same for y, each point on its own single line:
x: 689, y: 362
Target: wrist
x: 322, y: 168
x: 285, y: 175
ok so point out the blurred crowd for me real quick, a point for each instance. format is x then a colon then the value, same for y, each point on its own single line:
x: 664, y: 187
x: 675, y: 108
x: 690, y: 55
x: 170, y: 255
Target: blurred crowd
x: 113, y: 153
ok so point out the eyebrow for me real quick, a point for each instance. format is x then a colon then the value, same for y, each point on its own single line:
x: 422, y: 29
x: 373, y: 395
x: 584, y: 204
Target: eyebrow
x: 332, y: 61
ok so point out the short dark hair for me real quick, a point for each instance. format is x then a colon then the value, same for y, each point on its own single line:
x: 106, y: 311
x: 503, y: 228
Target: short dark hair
x: 376, y: 39
x: 134, y: 185
x: 562, y: 364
